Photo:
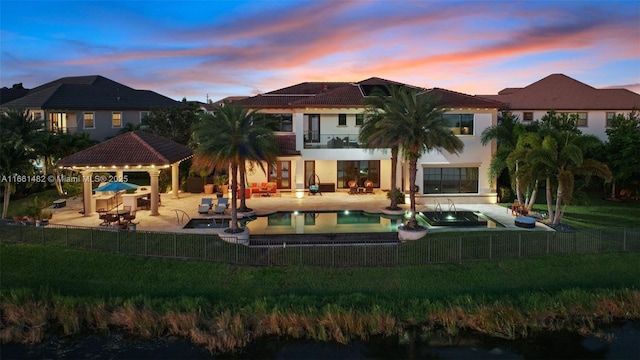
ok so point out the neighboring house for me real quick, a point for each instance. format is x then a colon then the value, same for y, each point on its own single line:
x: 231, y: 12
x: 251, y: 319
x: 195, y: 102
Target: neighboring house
x: 91, y: 104
x: 593, y: 107
x: 319, y: 123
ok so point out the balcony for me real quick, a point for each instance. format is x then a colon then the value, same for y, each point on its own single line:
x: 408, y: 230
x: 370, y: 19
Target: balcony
x: 315, y: 140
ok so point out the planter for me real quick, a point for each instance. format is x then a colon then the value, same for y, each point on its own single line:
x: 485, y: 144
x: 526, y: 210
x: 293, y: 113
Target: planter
x: 132, y: 227
x: 405, y: 234
x: 208, y: 189
x: 235, y: 237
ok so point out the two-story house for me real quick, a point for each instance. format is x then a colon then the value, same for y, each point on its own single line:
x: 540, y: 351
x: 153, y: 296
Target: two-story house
x: 93, y: 104
x: 319, y: 124
x: 593, y: 108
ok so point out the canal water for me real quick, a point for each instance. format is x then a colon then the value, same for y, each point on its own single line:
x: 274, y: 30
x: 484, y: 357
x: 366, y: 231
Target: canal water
x: 617, y: 342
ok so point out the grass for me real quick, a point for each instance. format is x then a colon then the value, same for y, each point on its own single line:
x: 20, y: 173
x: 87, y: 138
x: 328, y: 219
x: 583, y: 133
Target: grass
x: 223, y: 307
x: 79, y: 273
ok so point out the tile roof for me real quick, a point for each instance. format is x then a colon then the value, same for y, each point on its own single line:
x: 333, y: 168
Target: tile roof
x: 560, y: 92
x: 91, y: 92
x: 455, y: 99
x: 348, y: 94
x: 131, y: 148
x: 7, y: 94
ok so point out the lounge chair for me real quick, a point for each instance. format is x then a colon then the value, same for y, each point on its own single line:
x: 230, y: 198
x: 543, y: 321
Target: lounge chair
x: 353, y: 187
x: 221, y: 207
x: 205, y: 205
x: 368, y: 185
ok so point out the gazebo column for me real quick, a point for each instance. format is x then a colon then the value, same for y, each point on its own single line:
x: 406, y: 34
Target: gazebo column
x: 154, y: 197
x: 120, y: 175
x: 87, y: 192
x: 175, y: 179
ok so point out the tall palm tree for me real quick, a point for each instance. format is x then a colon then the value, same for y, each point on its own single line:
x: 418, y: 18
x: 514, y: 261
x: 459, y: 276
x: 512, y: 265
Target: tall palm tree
x: 418, y: 118
x: 18, y: 139
x: 506, y: 132
x: 557, y: 154
x: 380, y: 131
x: 231, y: 138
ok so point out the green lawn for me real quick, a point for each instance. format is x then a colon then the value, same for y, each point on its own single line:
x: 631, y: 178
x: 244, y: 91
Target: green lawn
x: 90, y: 274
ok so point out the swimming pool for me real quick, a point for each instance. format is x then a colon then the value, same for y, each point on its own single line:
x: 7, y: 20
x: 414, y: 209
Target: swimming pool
x: 344, y: 221
x: 458, y: 218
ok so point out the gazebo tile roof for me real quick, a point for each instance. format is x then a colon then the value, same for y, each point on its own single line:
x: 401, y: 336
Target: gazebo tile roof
x: 131, y: 148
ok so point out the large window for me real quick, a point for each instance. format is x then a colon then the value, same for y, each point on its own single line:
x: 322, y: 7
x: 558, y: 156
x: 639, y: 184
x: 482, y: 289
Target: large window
x: 610, y: 117
x: 358, y: 171
x: 89, y: 120
x: 116, y: 119
x: 461, y: 124
x: 58, y: 121
x: 450, y: 180
x: 278, y: 122
x: 359, y: 119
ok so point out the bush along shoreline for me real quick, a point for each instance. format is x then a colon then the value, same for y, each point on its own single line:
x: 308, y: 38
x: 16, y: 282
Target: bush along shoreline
x: 28, y: 317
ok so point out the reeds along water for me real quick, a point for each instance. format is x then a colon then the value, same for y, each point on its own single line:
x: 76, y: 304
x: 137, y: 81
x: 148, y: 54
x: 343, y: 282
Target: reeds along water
x: 29, y: 320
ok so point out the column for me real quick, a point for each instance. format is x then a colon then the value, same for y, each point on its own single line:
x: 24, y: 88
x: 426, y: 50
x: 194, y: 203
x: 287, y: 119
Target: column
x: 87, y: 192
x: 175, y: 180
x: 154, y: 196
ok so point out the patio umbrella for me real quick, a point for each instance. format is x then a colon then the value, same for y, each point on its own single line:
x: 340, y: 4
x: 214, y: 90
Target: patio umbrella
x: 116, y: 186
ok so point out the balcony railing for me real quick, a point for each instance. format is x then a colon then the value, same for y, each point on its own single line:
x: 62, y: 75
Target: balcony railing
x: 315, y: 140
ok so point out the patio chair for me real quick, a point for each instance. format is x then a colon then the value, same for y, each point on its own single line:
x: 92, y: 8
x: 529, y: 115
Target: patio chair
x: 221, y: 207
x: 205, y: 205
x: 368, y: 186
x: 353, y: 187
x: 102, y: 215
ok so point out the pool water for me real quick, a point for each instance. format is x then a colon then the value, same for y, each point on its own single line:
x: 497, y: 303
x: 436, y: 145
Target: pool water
x: 458, y: 218
x: 346, y: 221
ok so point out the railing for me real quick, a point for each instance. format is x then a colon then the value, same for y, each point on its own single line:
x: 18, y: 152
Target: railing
x: 315, y: 140
x: 328, y: 249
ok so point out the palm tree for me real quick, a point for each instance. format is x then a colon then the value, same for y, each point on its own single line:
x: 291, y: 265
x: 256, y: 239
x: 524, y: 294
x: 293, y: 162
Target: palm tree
x: 557, y: 154
x: 506, y: 132
x: 231, y: 137
x: 418, y: 118
x: 380, y: 131
x: 17, y: 148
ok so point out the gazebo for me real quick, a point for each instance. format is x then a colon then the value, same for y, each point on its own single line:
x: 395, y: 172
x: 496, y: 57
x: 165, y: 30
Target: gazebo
x: 134, y: 151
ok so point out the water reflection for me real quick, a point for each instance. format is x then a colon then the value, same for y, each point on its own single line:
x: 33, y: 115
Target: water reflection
x: 621, y: 343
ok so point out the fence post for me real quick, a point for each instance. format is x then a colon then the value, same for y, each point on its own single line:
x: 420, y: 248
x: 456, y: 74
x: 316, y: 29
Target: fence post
x: 66, y: 235
x: 365, y: 254
x: 490, y: 247
x: 91, y: 238
x: 175, y: 245
x: 118, y: 239
x: 42, y: 234
x: 624, y: 239
x: 333, y: 253
x: 519, y: 245
x: 460, y: 249
x: 548, y: 241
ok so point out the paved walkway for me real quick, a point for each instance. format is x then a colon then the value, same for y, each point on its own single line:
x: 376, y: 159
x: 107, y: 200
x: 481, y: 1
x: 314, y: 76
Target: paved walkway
x: 174, y: 213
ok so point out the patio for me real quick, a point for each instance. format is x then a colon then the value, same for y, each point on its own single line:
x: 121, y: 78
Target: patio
x: 174, y: 213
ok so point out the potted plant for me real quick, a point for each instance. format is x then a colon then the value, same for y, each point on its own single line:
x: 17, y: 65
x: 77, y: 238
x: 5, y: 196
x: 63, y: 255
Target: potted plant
x: 33, y: 211
x: 223, y: 184
x: 46, y: 216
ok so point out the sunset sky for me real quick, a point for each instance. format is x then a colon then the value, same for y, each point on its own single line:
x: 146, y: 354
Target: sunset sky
x: 196, y: 49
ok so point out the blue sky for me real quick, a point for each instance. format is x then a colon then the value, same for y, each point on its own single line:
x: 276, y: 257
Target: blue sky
x: 196, y: 49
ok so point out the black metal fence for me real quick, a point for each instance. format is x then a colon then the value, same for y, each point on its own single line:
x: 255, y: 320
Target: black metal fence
x: 328, y: 250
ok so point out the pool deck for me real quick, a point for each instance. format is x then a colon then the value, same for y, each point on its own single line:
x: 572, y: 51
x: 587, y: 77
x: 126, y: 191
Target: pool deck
x: 175, y: 213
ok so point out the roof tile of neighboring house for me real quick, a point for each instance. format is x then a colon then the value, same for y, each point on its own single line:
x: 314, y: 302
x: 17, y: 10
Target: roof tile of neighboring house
x: 131, y: 148
x: 346, y: 94
x: 560, y: 92
x: 7, y: 94
x: 454, y: 99
x: 91, y: 92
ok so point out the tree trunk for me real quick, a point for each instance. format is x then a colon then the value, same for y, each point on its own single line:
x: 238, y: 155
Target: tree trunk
x: 558, y: 215
x: 412, y: 223
x: 394, y: 178
x: 534, y: 194
x: 518, y: 189
x: 234, y: 197
x: 549, y: 199
x: 7, y: 194
x: 243, y: 182
x: 613, y: 189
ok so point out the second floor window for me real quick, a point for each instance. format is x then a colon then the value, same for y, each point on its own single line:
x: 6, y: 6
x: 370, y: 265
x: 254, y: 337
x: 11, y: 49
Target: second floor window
x: 610, y: 117
x: 143, y: 114
x: 461, y: 124
x: 116, y: 119
x: 527, y: 116
x: 342, y: 119
x: 580, y: 118
x: 89, y: 121
x: 359, y: 119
